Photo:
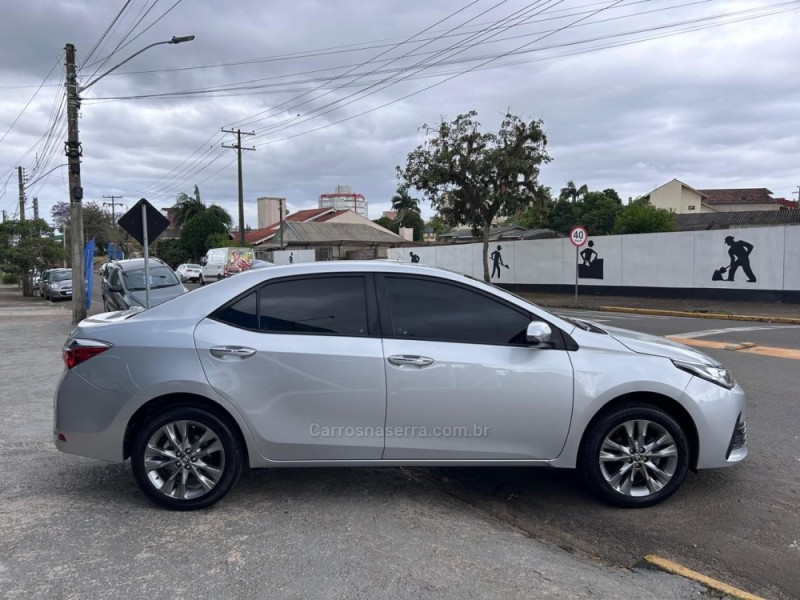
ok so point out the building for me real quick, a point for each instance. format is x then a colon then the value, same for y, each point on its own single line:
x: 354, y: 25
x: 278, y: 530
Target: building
x: 683, y: 199
x: 269, y: 210
x: 344, y: 198
x: 336, y: 240
x: 738, y: 219
x: 268, y: 236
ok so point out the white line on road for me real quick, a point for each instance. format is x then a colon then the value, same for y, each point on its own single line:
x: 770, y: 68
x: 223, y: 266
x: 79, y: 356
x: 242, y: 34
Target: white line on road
x: 710, y: 332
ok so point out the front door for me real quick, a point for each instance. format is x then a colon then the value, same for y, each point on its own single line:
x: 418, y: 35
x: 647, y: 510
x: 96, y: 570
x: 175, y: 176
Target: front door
x: 461, y: 381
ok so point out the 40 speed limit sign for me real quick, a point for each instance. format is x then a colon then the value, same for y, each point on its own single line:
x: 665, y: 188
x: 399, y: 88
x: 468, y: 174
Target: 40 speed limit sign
x: 578, y: 236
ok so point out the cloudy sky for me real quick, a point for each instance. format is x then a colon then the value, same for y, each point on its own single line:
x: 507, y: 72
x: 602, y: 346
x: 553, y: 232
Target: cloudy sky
x: 632, y: 93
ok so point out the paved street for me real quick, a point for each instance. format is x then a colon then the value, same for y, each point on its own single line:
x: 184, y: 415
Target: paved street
x: 73, y: 527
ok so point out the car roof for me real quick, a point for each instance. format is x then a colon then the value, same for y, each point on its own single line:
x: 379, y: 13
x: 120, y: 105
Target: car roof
x: 136, y: 263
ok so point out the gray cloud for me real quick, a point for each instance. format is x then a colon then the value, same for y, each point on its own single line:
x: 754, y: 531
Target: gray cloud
x: 718, y: 107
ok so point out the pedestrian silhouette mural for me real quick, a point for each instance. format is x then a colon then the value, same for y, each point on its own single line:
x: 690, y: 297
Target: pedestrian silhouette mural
x: 739, y: 253
x: 592, y: 266
x: 414, y: 257
x: 497, y: 262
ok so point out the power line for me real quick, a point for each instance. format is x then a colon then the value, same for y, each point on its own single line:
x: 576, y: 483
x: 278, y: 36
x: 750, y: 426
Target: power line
x: 28, y: 103
x: 106, y: 32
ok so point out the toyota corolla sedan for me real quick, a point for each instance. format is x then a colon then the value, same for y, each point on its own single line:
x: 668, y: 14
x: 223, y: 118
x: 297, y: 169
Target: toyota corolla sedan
x: 385, y: 364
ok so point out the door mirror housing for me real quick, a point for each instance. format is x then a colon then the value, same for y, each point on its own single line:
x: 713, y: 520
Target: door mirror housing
x: 538, y: 334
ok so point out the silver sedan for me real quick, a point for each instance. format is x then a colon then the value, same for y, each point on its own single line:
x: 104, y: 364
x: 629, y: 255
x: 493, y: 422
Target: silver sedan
x: 384, y: 364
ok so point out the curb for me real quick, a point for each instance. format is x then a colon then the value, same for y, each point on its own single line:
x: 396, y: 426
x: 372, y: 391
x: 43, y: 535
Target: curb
x: 671, y: 567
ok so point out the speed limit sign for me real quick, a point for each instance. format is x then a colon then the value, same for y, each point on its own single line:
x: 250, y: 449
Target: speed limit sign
x: 578, y: 236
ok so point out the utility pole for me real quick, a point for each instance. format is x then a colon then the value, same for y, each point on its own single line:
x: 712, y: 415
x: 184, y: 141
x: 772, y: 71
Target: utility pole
x: 113, y: 204
x: 238, y: 148
x: 4, y: 216
x: 74, y: 152
x: 36, y: 208
x: 21, y: 177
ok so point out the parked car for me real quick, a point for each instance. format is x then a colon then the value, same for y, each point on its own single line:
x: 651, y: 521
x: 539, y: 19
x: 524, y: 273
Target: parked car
x: 386, y: 364
x: 189, y: 272
x: 124, y: 284
x: 58, y: 284
x: 43, y: 282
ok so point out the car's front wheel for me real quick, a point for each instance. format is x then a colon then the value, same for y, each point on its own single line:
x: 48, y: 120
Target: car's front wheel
x: 635, y: 456
x: 186, y: 458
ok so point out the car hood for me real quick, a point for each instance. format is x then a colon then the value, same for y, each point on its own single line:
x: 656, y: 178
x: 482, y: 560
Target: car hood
x: 643, y: 343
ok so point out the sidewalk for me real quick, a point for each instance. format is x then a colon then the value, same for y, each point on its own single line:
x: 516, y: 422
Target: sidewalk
x: 776, y: 312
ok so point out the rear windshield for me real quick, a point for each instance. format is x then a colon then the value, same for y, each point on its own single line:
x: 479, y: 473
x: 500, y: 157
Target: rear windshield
x: 192, y: 266
x: 60, y: 276
x: 160, y: 277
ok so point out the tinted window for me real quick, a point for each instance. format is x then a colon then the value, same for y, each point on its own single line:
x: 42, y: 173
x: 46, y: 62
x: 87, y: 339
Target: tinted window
x: 243, y: 313
x: 430, y: 310
x: 159, y: 277
x: 61, y: 276
x: 319, y: 305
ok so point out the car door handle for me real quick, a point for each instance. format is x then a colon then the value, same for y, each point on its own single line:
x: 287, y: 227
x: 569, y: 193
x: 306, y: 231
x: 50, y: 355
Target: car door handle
x: 400, y: 360
x: 237, y: 351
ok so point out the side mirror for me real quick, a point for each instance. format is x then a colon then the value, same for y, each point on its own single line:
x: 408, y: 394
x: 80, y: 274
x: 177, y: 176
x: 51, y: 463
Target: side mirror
x: 538, y: 334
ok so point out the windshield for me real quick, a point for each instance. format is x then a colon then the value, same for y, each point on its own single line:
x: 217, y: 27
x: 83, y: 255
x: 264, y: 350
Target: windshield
x: 60, y: 276
x: 192, y: 266
x: 160, y: 277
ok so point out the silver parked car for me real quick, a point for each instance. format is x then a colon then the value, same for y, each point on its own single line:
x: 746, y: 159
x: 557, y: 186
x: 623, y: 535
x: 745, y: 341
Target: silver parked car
x: 384, y: 364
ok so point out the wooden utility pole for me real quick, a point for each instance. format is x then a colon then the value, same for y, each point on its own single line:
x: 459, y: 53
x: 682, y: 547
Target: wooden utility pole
x: 35, y: 208
x: 74, y: 152
x: 113, y: 204
x: 21, y: 193
x: 238, y: 148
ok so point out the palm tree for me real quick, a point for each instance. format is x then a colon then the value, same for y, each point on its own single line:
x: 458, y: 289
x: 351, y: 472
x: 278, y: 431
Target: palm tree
x: 221, y: 214
x: 571, y: 193
x: 403, y: 203
x: 186, y: 207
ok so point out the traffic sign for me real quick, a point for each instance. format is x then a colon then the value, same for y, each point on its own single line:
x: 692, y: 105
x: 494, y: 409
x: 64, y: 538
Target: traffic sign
x: 578, y: 236
x: 133, y: 221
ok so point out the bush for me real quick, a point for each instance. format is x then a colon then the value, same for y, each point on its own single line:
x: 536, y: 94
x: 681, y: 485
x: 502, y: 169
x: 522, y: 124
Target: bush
x: 10, y: 278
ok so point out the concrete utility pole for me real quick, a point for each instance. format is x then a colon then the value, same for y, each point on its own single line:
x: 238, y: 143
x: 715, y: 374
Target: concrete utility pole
x: 21, y: 177
x: 238, y: 148
x: 74, y: 152
x: 35, y: 208
x: 4, y: 216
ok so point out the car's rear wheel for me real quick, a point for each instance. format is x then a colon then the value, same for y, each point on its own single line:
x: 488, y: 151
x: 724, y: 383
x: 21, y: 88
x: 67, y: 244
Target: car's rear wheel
x: 635, y: 456
x: 186, y: 458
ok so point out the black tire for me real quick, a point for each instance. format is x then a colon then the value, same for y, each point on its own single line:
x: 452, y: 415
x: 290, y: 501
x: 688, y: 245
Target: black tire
x: 636, y: 471
x: 167, y: 465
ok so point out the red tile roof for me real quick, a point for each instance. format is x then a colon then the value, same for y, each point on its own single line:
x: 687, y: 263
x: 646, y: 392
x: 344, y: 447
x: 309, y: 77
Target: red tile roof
x: 738, y: 196
x: 790, y: 204
x: 301, y: 216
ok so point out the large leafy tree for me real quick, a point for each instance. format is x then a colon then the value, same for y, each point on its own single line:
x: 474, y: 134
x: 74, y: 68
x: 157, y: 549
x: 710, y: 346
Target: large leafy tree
x: 26, y: 246
x: 196, y: 231
x: 97, y: 223
x: 642, y: 217
x: 472, y: 176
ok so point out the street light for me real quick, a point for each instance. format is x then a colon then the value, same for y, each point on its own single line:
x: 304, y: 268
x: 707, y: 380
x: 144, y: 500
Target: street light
x: 74, y: 152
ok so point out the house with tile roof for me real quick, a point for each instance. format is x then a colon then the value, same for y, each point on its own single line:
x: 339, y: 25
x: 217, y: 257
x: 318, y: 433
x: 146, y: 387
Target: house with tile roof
x: 683, y: 199
x: 266, y: 236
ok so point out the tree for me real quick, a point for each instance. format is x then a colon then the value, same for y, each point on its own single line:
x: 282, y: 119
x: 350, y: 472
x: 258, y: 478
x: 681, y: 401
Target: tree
x: 438, y: 225
x: 472, y: 177
x: 642, y: 217
x: 171, y: 252
x: 563, y: 216
x: 599, y: 212
x: 387, y: 223
x: 97, y: 223
x: 27, y: 246
x: 219, y: 240
x: 195, y: 232
x: 402, y: 202
x: 221, y: 214
x: 571, y: 193
x: 186, y: 207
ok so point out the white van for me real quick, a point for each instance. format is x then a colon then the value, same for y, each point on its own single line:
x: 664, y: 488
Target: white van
x: 219, y: 263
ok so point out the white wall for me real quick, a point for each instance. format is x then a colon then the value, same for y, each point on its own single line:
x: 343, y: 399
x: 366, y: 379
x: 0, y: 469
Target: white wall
x: 663, y: 260
x: 286, y: 257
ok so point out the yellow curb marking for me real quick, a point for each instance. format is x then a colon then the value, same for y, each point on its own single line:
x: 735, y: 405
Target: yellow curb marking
x: 748, y: 347
x: 688, y: 313
x: 677, y: 569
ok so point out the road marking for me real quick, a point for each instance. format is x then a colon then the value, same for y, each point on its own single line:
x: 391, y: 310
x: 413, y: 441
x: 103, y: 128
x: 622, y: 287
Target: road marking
x: 693, y: 314
x: 748, y: 347
x: 710, y: 332
x: 673, y: 567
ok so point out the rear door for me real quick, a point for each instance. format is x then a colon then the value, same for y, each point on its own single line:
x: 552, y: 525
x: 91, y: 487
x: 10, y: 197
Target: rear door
x: 301, y: 359
x: 462, y: 382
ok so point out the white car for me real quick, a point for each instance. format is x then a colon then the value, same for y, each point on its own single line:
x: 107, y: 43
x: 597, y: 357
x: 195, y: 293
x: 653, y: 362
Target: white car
x: 189, y: 272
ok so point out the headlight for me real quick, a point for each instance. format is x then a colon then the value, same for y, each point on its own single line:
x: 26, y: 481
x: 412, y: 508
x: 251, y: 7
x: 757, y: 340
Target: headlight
x: 713, y: 373
x: 55, y: 286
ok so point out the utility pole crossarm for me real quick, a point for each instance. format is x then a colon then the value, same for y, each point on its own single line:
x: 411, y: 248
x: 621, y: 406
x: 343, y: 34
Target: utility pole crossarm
x: 238, y: 148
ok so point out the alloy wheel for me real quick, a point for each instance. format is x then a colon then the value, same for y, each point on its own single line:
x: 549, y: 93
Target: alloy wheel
x: 638, y: 458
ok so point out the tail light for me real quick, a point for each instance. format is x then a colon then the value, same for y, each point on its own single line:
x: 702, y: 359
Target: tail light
x: 80, y: 350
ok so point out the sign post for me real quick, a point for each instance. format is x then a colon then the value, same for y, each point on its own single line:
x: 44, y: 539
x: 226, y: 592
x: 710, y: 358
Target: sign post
x: 578, y: 237
x: 144, y: 223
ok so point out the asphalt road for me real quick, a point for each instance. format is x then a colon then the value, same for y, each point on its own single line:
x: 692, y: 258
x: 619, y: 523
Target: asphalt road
x: 740, y: 525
